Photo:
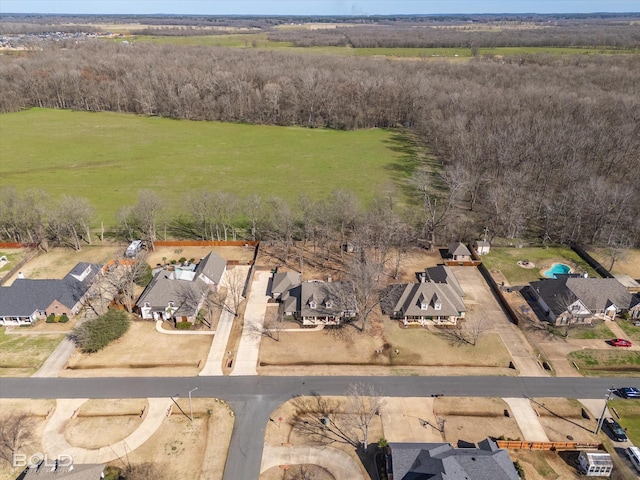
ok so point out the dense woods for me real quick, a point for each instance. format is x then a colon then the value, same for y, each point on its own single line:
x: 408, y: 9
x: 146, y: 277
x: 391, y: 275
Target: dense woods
x: 542, y: 147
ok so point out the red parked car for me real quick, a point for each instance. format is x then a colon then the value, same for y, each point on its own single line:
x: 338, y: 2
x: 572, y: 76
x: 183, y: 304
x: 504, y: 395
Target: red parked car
x: 620, y: 342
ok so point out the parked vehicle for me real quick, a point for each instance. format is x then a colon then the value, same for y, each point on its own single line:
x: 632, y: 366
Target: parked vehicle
x: 615, y: 430
x: 629, y: 392
x: 620, y: 342
x: 133, y: 249
x: 634, y: 457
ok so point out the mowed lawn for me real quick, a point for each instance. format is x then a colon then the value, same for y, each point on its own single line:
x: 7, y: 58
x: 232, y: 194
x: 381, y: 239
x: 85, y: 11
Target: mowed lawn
x: 108, y: 157
x: 22, y: 355
x: 506, y: 260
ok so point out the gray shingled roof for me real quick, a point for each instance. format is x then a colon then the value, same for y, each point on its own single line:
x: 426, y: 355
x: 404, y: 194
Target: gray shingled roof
x: 25, y: 295
x: 595, y: 293
x: 458, y: 248
x: 212, y: 266
x: 283, y: 281
x: 79, y: 471
x: 413, y: 295
x: 440, y: 461
x: 331, y: 298
x: 444, y: 274
x: 164, y: 289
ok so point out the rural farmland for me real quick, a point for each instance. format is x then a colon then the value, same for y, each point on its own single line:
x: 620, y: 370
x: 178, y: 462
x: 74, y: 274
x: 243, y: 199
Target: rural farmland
x: 108, y: 157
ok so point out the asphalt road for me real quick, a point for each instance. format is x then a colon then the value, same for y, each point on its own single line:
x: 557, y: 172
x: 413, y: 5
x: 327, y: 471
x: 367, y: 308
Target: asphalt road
x: 254, y: 398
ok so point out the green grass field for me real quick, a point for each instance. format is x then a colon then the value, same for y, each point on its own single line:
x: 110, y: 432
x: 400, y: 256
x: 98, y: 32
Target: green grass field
x: 606, y: 362
x: 506, y: 260
x: 629, y: 411
x: 109, y: 157
x: 22, y: 355
x: 261, y: 41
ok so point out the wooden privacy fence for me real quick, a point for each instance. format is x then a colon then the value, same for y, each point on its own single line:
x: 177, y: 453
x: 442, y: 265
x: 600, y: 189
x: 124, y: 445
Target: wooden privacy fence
x: 205, y: 243
x: 517, y: 445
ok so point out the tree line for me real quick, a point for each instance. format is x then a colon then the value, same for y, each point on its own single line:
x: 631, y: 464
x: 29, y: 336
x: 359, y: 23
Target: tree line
x: 541, y: 146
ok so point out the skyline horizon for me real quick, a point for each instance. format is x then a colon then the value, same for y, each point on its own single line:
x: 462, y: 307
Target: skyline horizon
x: 345, y: 8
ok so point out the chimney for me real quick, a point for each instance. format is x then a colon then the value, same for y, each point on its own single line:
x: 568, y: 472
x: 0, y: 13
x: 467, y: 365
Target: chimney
x: 329, y: 279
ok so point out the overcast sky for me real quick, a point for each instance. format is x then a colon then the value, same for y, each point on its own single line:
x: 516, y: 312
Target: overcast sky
x: 316, y: 7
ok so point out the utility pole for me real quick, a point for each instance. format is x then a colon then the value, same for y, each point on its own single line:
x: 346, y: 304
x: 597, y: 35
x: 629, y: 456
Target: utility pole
x: 190, y: 406
x: 606, y: 402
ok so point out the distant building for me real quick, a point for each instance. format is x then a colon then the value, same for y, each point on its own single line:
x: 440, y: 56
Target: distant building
x: 482, y: 247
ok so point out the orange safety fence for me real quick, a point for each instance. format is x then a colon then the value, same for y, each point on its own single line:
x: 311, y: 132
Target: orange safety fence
x: 205, y: 243
x: 17, y: 245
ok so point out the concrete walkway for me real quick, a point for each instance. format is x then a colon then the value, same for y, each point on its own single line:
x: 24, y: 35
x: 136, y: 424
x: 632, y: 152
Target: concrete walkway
x: 159, y: 329
x: 247, y: 357
x: 336, y: 461
x: 527, y: 419
x: 218, y: 351
x: 56, y: 362
x: 54, y: 441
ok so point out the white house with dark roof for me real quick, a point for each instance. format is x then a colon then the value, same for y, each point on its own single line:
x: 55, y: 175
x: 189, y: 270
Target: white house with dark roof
x: 320, y: 303
x: 178, y: 294
x: 28, y: 300
x: 570, y: 299
x: 436, y: 300
x: 440, y: 461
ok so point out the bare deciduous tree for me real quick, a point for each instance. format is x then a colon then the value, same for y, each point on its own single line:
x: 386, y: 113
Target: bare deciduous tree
x: 325, y: 421
x: 16, y: 435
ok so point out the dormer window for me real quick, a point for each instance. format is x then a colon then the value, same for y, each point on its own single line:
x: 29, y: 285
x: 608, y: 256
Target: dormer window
x: 328, y: 303
x: 171, y: 304
x: 312, y: 304
x: 435, y: 301
x: 147, y: 304
x: 422, y: 301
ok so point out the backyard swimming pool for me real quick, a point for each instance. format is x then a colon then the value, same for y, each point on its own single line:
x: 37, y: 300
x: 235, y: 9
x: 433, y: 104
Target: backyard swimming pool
x: 557, y: 269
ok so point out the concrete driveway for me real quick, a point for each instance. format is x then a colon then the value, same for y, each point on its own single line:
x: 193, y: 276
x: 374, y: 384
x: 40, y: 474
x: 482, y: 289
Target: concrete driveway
x: 247, y: 357
x: 336, y: 461
x: 480, y: 297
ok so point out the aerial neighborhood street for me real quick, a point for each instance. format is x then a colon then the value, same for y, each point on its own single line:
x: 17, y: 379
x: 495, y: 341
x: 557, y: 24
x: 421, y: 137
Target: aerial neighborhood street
x: 318, y: 240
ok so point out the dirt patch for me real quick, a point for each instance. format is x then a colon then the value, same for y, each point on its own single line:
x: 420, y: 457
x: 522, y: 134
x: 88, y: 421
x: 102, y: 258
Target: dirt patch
x: 565, y: 420
x: 36, y: 411
x: 184, y: 449
x: 115, y: 419
x: 166, y: 355
x: 280, y: 432
x: 628, y: 262
x: 316, y: 265
x: 164, y: 255
x: 474, y: 419
x: 293, y: 472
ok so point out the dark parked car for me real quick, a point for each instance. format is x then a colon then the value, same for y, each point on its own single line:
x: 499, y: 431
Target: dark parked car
x: 615, y: 430
x: 629, y: 392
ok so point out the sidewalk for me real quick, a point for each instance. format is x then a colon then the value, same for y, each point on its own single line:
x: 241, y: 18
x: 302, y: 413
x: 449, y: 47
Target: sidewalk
x: 247, y: 356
